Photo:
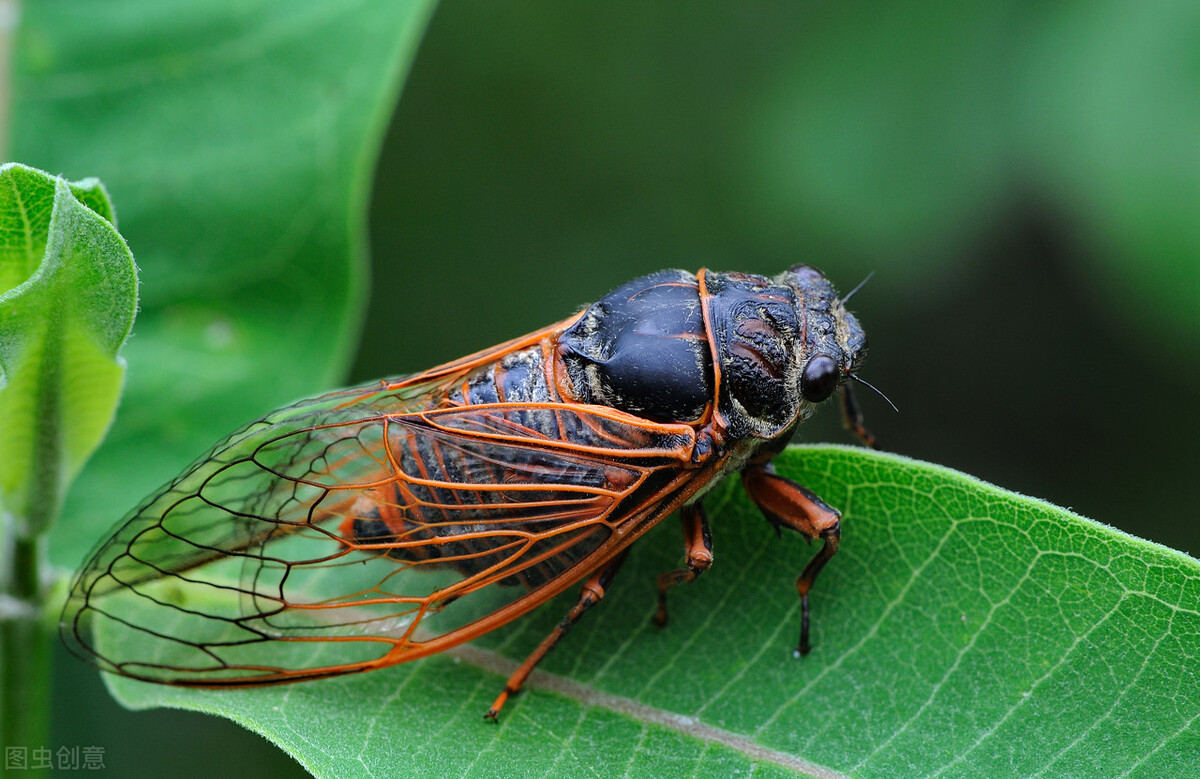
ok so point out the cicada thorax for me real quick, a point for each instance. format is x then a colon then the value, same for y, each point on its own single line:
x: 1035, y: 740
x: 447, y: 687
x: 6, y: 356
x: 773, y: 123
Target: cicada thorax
x: 721, y: 351
x: 642, y: 348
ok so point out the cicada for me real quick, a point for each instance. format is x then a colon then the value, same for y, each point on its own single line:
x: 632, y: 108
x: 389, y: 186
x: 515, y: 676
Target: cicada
x: 382, y: 523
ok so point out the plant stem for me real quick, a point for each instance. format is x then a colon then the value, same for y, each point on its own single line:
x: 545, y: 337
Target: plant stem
x: 24, y: 643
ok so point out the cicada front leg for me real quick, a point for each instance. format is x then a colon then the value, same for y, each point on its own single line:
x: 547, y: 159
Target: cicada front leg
x: 786, y: 504
x: 698, y: 539
x: 852, y: 418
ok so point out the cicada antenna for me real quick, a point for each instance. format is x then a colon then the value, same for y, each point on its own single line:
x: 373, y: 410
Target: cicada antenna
x: 871, y: 386
x: 852, y: 293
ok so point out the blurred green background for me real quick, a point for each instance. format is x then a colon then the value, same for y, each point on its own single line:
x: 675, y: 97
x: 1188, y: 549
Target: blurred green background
x: 1023, y: 179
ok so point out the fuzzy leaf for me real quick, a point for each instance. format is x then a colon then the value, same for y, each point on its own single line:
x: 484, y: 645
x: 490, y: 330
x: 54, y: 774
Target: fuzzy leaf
x: 68, y: 295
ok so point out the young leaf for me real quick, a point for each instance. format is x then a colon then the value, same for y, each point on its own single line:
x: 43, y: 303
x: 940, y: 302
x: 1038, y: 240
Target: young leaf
x: 68, y: 294
x: 961, y: 631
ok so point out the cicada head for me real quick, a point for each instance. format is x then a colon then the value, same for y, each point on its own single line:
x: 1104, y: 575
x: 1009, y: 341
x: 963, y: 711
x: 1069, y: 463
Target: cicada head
x: 783, y: 345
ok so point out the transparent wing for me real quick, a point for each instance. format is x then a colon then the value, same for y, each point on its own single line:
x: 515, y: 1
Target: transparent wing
x: 360, y: 529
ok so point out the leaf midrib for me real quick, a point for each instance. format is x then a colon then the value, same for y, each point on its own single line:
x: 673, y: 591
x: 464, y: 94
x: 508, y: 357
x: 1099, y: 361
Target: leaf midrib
x: 650, y: 715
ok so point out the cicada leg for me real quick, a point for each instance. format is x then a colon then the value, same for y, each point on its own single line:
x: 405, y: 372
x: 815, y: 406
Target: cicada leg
x: 592, y: 593
x: 786, y: 504
x: 699, y: 556
x: 852, y: 417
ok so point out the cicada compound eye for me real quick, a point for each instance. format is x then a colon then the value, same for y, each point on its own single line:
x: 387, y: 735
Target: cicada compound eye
x: 819, y: 379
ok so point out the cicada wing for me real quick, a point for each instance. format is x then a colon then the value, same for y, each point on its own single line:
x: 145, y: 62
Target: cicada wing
x: 171, y: 588
x: 360, y: 529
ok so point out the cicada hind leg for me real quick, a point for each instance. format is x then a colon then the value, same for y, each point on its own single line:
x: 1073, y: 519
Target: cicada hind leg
x: 592, y: 593
x: 787, y: 504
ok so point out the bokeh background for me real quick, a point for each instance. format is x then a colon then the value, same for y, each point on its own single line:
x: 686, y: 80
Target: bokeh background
x: 1022, y: 179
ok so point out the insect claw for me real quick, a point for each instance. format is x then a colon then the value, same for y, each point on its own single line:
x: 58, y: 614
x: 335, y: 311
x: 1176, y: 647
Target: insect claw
x: 493, y: 713
x: 803, y: 647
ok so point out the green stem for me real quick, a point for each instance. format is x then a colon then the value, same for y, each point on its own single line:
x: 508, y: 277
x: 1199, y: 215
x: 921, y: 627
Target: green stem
x: 24, y: 644
x: 24, y: 635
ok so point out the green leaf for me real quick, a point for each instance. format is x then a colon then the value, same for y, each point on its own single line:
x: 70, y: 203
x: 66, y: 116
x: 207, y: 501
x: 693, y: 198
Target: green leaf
x: 239, y: 138
x: 961, y: 631
x: 68, y: 295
